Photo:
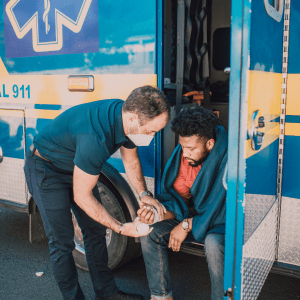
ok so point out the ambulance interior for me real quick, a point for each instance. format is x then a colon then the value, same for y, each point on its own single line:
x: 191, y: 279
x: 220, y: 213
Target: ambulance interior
x: 196, y: 58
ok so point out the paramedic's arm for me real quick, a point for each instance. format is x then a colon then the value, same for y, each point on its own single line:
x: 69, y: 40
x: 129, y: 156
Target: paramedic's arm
x: 135, y: 176
x: 178, y: 235
x: 83, y: 184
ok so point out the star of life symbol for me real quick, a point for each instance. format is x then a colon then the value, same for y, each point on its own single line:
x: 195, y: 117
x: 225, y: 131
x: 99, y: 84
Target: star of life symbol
x: 60, y: 20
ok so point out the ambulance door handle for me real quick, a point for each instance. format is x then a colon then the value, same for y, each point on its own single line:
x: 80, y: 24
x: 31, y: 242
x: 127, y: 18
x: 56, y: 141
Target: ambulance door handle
x: 227, y: 70
x: 261, y: 122
x: 1, y: 155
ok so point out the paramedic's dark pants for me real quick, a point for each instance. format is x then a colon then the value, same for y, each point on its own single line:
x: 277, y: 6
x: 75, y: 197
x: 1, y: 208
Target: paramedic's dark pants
x: 52, y: 191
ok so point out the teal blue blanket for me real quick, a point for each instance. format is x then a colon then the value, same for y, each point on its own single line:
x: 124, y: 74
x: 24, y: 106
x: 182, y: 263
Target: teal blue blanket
x: 208, y: 192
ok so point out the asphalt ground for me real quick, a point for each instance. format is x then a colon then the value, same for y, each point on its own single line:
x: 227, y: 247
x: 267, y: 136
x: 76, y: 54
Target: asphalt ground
x: 20, y: 260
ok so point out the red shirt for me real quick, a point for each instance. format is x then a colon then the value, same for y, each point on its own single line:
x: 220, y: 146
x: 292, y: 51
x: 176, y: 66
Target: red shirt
x: 185, y: 179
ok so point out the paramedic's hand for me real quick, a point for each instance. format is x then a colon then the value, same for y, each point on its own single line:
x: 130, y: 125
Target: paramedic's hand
x: 177, y: 236
x: 130, y: 229
x: 146, y: 214
x: 153, y: 202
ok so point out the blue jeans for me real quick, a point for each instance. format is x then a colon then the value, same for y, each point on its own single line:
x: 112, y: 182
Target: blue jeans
x: 52, y: 191
x: 154, y: 248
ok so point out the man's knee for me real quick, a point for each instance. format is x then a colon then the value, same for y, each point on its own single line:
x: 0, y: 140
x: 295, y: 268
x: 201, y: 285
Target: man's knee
x: 58, y: 247
x: 156, y: 236
x: 149, y: 239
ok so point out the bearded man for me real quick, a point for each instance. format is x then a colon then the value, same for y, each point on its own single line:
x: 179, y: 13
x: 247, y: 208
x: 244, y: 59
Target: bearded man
x: 194, y: 195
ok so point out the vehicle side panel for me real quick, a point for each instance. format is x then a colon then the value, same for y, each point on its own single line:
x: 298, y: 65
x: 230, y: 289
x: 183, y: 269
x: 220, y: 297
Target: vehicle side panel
x: 289, y: 247
x: 34, y: 90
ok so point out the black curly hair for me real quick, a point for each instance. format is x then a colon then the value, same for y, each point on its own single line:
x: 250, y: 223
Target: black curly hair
x: 196, y: 120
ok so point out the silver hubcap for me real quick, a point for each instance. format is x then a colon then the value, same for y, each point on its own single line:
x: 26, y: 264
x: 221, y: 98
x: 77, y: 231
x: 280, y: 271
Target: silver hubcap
x: 79, y: 244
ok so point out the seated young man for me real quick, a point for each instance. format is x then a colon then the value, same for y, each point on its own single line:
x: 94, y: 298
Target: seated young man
x: 194, y: 194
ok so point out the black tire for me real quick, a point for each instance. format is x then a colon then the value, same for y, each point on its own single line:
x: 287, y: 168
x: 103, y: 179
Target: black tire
x: 120, y: 248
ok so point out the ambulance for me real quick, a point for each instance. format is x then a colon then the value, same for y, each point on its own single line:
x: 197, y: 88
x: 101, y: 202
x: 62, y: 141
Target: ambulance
x: 236, y: 57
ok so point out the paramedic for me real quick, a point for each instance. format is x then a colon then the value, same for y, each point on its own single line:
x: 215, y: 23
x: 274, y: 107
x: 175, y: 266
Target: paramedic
x: 62, y: 170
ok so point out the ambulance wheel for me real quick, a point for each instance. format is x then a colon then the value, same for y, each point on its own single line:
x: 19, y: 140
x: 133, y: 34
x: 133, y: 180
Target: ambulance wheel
x: 120, y: 248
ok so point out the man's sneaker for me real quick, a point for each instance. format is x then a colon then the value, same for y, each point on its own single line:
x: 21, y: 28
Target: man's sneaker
x: 122, y: 296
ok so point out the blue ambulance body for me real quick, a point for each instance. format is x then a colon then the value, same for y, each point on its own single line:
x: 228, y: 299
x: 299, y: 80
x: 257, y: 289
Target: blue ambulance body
x: 55, y: 55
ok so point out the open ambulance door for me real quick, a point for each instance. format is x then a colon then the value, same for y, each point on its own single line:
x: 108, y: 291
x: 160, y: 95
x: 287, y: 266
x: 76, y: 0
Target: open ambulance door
x: 289, y: 247
x: 256, y: 91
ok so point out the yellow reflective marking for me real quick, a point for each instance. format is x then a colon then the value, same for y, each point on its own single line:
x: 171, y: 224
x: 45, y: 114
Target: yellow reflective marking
x: 264, y: 94
x: 53, y: 89
x: 293, y: 95
x: 120, y: 86
x: 3, y: 70
x: 292, y: 129
x: 31, y: 113
x: 11, y: 113
x: 42, y: 113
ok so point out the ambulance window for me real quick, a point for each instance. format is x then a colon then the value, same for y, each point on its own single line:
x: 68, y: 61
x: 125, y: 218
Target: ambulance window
x: 274, y: 9
x: 275, y: 4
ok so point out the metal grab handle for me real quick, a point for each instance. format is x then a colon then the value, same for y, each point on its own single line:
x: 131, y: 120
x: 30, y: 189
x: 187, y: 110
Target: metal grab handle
x: 224, y: 180
x: 227, y: 70
x: 256, y: 131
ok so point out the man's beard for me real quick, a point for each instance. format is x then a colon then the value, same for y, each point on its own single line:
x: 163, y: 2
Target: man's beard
x: 196, y: 163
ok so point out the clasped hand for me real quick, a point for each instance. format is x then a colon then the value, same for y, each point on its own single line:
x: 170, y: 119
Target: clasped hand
x: 146, y: 212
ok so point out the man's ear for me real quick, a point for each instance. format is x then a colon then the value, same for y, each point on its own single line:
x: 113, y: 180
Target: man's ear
x: 210, y: 144
x: 128, y: 119
x: 131, y: 117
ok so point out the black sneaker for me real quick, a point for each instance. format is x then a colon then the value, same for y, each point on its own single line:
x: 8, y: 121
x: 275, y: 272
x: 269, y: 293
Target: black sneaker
x: 122, y: 296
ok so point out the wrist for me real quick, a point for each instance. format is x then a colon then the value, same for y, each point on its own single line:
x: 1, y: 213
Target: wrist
x: 186, y: 225
x: 190, y: 221
x: 145, y: 193
x: 120, y: 229
x: 116, y: 226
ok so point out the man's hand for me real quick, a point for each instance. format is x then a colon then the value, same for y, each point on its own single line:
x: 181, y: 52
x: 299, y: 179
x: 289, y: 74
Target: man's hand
x: 177, y: 236
x: 146, y: 214
x: 161, y: 210
x: 130, y: 229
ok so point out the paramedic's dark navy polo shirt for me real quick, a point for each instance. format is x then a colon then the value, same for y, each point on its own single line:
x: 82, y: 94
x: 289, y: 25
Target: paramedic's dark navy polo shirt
x: 85, y: 135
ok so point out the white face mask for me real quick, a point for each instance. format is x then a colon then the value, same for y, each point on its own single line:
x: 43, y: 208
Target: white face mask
x: 140, y: 139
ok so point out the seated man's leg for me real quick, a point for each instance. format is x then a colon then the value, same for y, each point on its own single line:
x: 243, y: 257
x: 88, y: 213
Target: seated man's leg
x: 96, y: 251
x: 155, y: 254
x: 214, y: 252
